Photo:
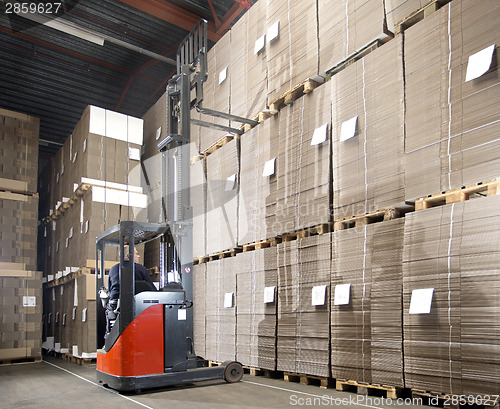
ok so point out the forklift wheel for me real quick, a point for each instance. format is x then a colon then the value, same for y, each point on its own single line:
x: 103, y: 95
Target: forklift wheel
x: 233, y: 372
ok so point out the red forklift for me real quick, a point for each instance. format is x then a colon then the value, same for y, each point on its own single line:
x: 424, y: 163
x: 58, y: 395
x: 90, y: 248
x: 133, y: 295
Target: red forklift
x: 150, y: 344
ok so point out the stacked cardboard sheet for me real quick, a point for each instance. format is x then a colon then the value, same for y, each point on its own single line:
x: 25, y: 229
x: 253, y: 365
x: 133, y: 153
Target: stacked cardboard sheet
x: 452, y: 91
x: 198, y: 194
x: 345, y: 27
x: 199, y: 312
x: 18, y: 151
x: 451, y: 337
x: 258, y: 183
x: 292, y: 44
x: 220, y: 311
x: 20, y: 313
x: 103, y: 152
x: 239, y: 64
x: 366, y: 338
x: 368, y: 133
x: 256, y: 69
x: 18, y: 229
x: 304, y: 169
x: 303, y: 305
x: 217, y: 90
x: 222, y: 198
x: 256, y: 283
x: 70, y: 317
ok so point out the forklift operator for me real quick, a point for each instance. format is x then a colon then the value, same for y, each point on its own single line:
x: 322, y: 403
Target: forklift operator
x: 141, y: 274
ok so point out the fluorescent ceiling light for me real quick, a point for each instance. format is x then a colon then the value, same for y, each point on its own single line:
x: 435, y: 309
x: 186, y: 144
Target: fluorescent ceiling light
x: 74, y: 30
x: 66, y: 27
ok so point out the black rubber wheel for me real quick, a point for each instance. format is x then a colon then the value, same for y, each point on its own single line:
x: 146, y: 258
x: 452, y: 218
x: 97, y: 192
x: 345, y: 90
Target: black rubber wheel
x: 233, y: 372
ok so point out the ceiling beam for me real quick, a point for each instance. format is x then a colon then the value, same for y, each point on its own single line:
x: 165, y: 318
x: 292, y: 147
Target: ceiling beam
x: 63, y: 50
x: 172, y: 14
x: 229, y: 17
x: 168, y: 51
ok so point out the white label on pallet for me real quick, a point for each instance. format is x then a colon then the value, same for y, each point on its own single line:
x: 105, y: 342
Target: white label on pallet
x: 45, y: 232
x: 57, y: 178
x: 87, y: 226
x: 342, y: 294
x: 479, y: 63
x: 230, y: 183
x: 75, y: 156
x: 269, y: 294
x: 348, y: 129
x: 70, y: 235
x: 84, y: 315
x: 269, y: 167
x: 62, y: 169
x: 273, y: 31
x: 181, y: 314
x: 67, y: 242
x: 134, y: 153
x: 228, y: 300
x: 29, y: 301
x: 57, y: 317
x: 319, y: 135
x: 73, y: 314
x: 64, y: 320
x: 84, y: 145
x: 421, y: 300
x: 259, y: 44
x: 318, y: 295
x: 222, y: 75
x: 158, y: 133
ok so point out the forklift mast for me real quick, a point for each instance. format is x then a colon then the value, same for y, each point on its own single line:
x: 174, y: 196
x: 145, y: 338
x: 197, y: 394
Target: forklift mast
x: 184, y: 93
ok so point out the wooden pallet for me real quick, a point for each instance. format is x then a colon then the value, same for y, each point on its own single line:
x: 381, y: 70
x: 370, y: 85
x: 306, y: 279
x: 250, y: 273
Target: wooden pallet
x: 419, y: 15
x: 224, y: 254
x: 289, y: 97
x: 201, y: 260
x: 362, y: 388
x: 322, y: 382
x: 18, y: 361
x: 217, y: 145
x: 261, y: 244
x: 268, y: 373
x: 70, y: 277
x: 307, y: 232
x: 459, y: 195
x: 444, y: 400
x: 14, y: 186
x: 63, y: 207
x: 79, y: 361
x: 368, y: 218
x: 259, y: 118
x: 354, y: 57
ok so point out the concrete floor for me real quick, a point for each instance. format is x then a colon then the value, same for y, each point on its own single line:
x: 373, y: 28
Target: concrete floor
x: 56, y: 383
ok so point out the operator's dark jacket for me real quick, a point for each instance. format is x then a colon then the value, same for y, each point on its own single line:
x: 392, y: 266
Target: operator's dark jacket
x: 141, y: 274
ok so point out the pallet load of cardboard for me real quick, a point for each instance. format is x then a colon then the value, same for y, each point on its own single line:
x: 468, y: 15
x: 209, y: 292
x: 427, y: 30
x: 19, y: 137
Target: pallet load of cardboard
x: 21, y: 283
x: 96, y: 183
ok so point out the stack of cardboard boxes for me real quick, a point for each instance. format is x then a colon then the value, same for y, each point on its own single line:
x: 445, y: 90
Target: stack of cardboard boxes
x: 256, y: 283
x: 21, y: 284
x: 304, y: 305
